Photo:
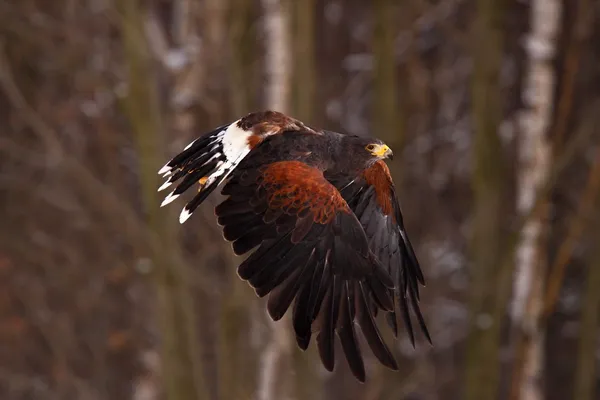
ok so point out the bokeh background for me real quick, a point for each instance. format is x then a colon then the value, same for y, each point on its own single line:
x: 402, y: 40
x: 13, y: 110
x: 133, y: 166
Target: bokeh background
x: 491, y: 106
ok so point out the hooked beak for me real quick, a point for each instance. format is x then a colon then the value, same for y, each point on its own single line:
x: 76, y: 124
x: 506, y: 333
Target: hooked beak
x: 383, y: 151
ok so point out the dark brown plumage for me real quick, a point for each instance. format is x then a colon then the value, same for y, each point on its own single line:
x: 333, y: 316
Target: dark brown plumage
x: 320, y: 210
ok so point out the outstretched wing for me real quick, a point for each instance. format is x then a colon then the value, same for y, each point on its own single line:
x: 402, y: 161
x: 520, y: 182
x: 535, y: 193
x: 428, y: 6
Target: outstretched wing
x: 210, y: 159
x: 313, y: 249
x: 372, y: 197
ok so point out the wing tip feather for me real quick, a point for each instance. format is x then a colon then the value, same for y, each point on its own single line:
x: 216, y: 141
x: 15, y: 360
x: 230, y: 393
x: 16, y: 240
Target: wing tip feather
x: 171, y: 197
x: 164, y: 186
x: 165, y: 170
x: 185, y: 215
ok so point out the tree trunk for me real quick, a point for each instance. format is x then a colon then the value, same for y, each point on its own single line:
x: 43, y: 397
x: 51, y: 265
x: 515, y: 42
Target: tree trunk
x: 534, y: 160
x: 386, y: 116
x: 214, y: 57
x: 585, y: 373
x: 275, y: 379
x: 386, y: 110
x: 242, y: 67
x: 237, y: 352
x: 303, y: 13
x: 277, y: 54
x: 482, y: 368
x: 175, y: 306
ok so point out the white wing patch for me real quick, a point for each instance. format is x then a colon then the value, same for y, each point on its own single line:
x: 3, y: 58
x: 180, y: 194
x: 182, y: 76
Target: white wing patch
x: 229, y: 146
x: 235, y: 142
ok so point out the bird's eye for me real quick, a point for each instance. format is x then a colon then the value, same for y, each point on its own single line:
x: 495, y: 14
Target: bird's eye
x: 370, y: 147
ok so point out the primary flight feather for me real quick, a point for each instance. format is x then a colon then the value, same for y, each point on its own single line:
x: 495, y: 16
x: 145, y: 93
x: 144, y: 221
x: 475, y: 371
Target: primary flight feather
x: 321, y: 211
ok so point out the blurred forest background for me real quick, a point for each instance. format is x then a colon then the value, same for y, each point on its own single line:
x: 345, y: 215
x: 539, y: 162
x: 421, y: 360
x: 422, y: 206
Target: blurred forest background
x: 492, y: 108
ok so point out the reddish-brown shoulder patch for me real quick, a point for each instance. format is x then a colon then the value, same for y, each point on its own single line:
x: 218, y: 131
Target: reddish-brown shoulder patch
x: 254, y: 140
x: 294, y: 187
x: 378, y: 176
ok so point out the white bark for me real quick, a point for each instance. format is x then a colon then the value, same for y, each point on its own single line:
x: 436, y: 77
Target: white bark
x: 147, y: 386
x: 278, y: 57
x: 275, y: 378
x: 534, y: 163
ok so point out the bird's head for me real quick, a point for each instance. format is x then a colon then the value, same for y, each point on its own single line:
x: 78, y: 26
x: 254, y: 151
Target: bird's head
x: 362, y: 152
x: 379, y: 150
x: 371, y: 149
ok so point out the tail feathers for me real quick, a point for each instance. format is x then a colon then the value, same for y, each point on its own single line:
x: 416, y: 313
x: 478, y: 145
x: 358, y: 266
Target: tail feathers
x: 202, y: 161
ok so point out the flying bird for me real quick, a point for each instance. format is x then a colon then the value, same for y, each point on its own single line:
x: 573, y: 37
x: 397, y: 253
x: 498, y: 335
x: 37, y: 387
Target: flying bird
x: 321, y: 213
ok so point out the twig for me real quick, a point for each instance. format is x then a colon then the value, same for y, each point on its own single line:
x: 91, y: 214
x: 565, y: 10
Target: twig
x: 38, y: 126
x: 565, y: 251
x: 585, y: 131
x: 99, y: 194
x: 579, y: 32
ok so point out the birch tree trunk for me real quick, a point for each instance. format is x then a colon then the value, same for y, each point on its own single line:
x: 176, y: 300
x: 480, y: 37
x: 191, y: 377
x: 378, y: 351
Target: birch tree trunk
x: 275, y: 379
x: 534, y: 166
x: 277, y: 54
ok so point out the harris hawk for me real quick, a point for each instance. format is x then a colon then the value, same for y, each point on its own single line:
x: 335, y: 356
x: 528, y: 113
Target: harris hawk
x: 320, y: 211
